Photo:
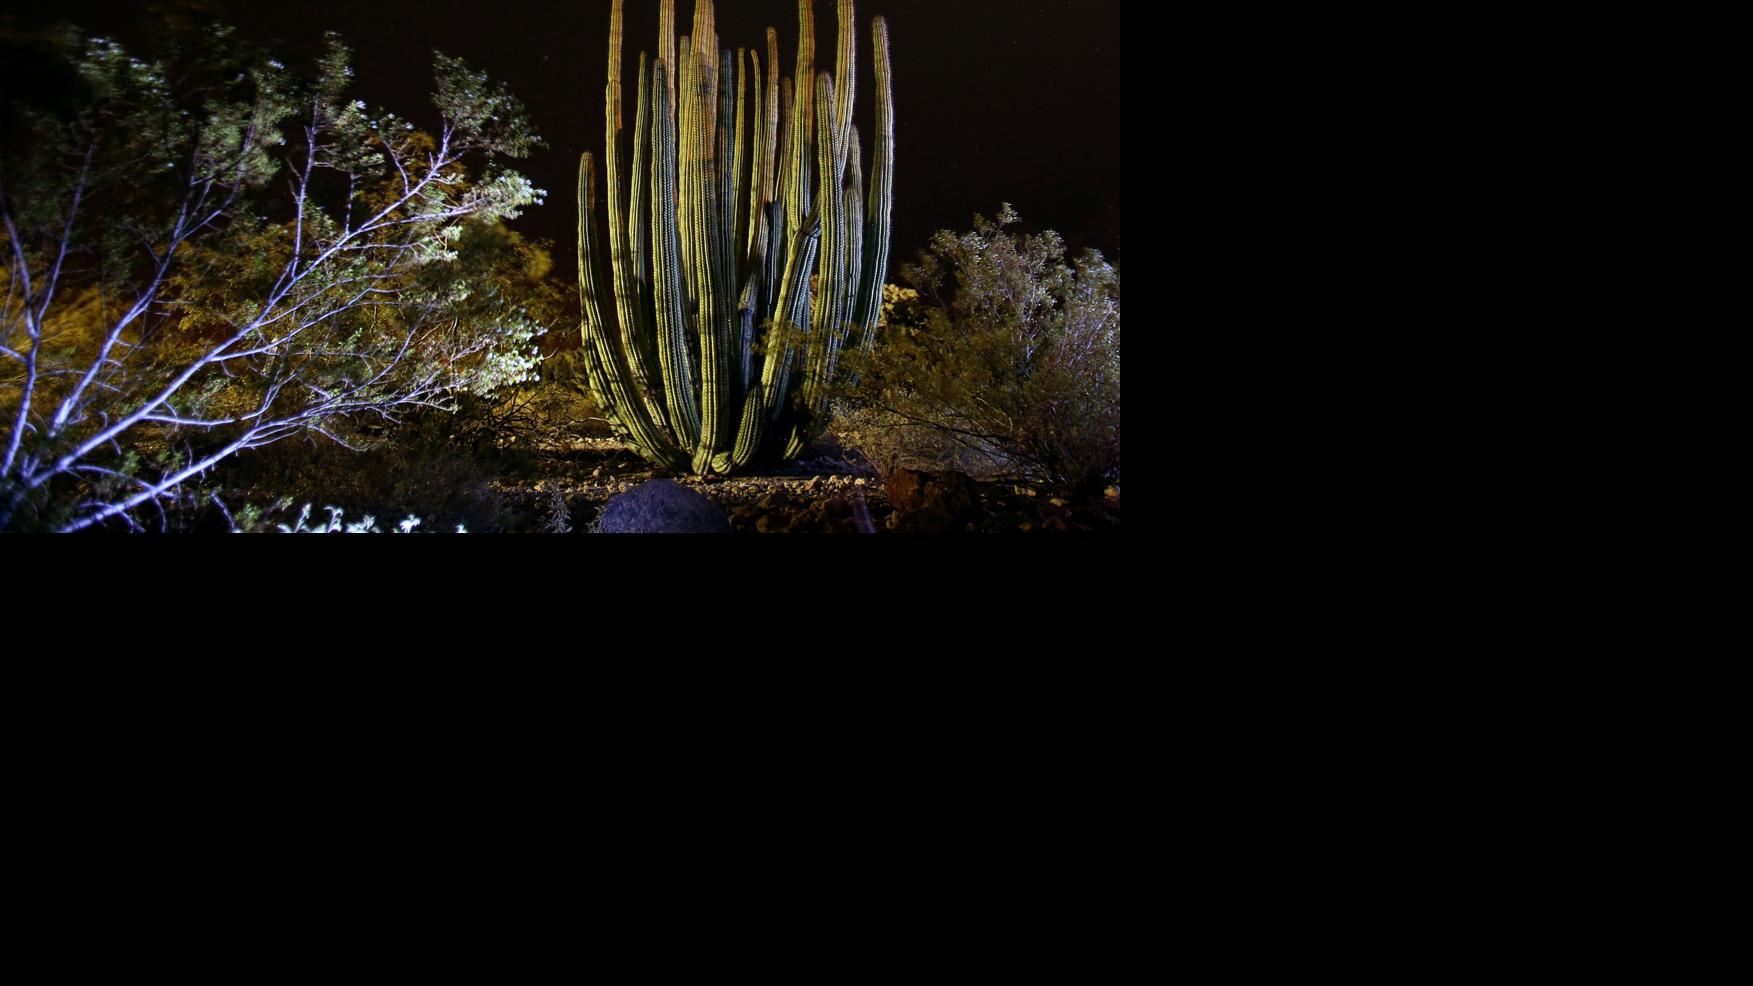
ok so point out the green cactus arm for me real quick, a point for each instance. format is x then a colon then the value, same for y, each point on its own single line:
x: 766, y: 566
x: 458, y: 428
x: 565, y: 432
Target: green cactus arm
x: 840, y: 330
x: 791, y: 315
x: 685, y: 180
x: 830, y: 271
x: 751, y: 163
x: 639, y: 208
x: 773, y: 263
x: 837, y: 302
x: 724, y: 242
x: 610, y: 364
x: 782, y: 173
x: 853, y: 194
x: 751, y: 430
x: 771, y: 118
x: 666, y: 46
x: 846, y: 78
x: 637, y: 339
x: 797, y: 192
x: 747, y: 304
x: 668, y: 293
x: 882, y: 194
x: 593, y: 367
x: 711, y: 317
x: 752, y: 422
x: 706, y: 57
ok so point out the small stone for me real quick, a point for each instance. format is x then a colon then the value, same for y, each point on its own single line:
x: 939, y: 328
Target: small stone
x: 1057, y: 502
x: 766, y: 524
x: 813, y: 485
x: 1025, y: 491
x: 1113, y: 493
x: 1027, y: 526
x: 597, y: 473
x: 859, y: 481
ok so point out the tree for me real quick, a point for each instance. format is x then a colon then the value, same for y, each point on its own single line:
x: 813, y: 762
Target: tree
x: 1005, y: 359
x: 207, y: 254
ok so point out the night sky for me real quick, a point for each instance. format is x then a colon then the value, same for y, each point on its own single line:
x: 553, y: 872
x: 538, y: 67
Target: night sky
x: 995, y: 100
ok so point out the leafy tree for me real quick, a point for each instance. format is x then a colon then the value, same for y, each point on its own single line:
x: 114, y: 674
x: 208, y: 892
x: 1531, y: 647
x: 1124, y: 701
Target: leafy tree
x: 1005, y: 359
x: 208, y: 253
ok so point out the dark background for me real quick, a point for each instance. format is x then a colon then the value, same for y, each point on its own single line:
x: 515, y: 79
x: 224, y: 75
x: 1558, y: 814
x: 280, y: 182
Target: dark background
x: 995, y: 100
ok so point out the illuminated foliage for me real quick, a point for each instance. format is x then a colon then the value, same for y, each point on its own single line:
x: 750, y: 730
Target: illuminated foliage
x: 196, y: 269
x: 1005, y: 360
x: 737, y: 273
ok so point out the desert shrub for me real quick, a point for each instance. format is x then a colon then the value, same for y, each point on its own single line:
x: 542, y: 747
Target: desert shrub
x: 438, y: 465
x: 1003, y: 360
x: 555, y: 411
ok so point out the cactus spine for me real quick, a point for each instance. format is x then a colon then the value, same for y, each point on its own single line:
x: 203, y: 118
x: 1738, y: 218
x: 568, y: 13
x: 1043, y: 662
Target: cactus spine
x: 744, y: 252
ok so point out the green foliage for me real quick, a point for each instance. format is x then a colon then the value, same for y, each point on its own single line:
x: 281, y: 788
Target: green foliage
x: 744, y: 251
x: 440, y: 465
x: 209, y: 253
x: 1007, y: 360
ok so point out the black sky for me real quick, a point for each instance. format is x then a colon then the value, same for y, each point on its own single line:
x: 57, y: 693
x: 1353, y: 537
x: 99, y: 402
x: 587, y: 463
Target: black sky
x: 996, y: 100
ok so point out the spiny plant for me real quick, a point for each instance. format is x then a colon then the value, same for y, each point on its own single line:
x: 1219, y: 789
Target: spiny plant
x: 745, y: 252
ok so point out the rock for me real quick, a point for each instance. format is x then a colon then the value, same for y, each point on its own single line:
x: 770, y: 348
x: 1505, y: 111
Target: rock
x: 906, y: 488
x: 597, y: 473
x: 837, y: 507
x: 859, y: 481
x: 813, y: 485
x: 767, y: 524
x: 662, y: 507
x: 1027, y: 526
x: 1113, y: 493
x: 1057, y: 502
x: 927, y: 521
x: 952, y: 498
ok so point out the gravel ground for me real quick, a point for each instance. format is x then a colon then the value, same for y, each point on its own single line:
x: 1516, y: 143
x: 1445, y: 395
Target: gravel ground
x: 823, y: 492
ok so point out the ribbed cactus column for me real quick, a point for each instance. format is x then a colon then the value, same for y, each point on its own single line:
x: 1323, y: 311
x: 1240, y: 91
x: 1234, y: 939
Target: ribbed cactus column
x: 742, y: 261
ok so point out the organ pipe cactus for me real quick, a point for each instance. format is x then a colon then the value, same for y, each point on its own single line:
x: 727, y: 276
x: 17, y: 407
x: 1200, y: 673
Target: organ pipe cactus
x: 744, y: 251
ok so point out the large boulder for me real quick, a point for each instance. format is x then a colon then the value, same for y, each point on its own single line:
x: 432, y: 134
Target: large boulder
x: 936, y: 503
x: 662, y: 507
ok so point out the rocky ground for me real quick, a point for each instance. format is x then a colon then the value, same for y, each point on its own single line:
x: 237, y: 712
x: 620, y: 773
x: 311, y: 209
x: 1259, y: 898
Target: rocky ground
x: 827, y: 491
